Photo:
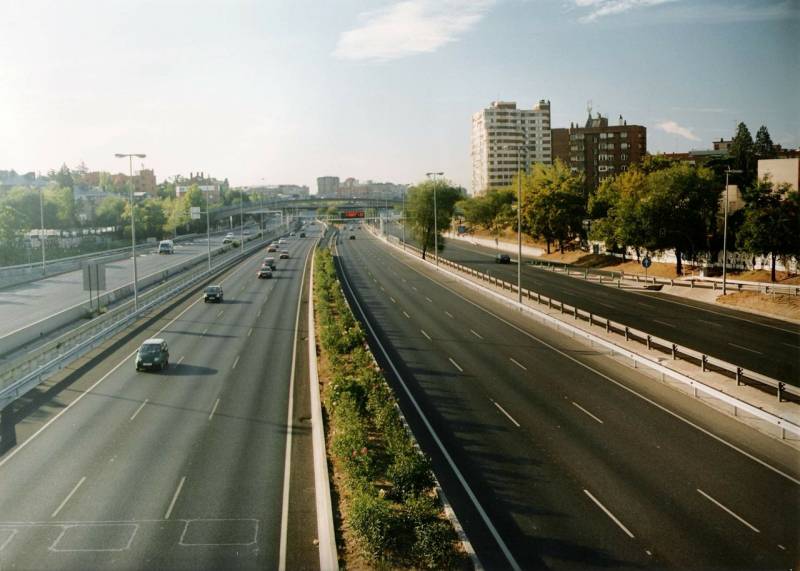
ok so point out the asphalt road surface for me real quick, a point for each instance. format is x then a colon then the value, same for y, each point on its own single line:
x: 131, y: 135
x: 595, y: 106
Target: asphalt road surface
x: 558, y: 457
x: 181, y: 469
x: 767, y: 346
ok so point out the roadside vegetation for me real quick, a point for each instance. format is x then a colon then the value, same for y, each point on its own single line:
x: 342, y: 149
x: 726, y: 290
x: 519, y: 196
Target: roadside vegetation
x: 389, y: 513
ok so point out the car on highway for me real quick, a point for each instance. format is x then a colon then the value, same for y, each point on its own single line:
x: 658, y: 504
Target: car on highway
x: 291, y: 234
x: 264, y: 272
x: 281, y: 241
x: 230, y: 235
x: 272, y: 247
x: 152, y: 354
x: 269, y: 261
x: 352, y: 236
x: 213, y: 293
x: 502, y: 259
x: 166, y: 247
x: 227, y: 240
x: 284, y: 255
x: 302, y: 234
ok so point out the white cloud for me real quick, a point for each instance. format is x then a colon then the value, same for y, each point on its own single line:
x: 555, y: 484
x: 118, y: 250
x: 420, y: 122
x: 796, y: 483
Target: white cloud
x: 600, y: 8
x: 410, y: 27
x: 675, y: 129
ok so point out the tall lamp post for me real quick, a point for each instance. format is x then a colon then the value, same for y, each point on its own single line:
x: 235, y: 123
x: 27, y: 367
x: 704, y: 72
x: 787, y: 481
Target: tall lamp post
x: 130, y: 156
x: 433, y: 175
x: 41, y: 225
x: 725, y: 234
x: 404, y: 218
x: 241, y: 219
x: 519, y: 223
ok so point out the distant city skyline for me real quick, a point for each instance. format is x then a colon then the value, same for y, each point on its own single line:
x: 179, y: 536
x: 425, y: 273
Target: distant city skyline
x: 258, y: 92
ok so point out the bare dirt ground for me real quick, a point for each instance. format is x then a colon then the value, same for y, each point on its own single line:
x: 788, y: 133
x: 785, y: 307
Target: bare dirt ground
x: 779, y: 305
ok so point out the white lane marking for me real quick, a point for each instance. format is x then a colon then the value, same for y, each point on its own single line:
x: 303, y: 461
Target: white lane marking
x: 205, y: 331
x: 425, y: 334
x: 259, y: 313
x: 611, y: 380
x: 456, y: 365
x: 287, y: 465
x: 609, y: 514
x: 383, y: 290
x: 789, y: 345
x: 414, y: 288
x: 250, y: 332
x: 181, y: 359
x: 449, y: 459
x: 505, y: 412
x: 587, y: 412
x: 448, y: 314
x: 745, y: 348
x: 475, y: 333
x: 781, y: 547
x: 608, y: 305
x: 214, y: 409
x: 220, y: 312
x: 709, y: 322
x: 393, y: 301
x: 175, y: 498
x: 664, y: 323
x: 429, y: 300
x: 235, y: 362
x: 645, y: 304
x: 69, y: 495
x: 373, y: 279
x: 518, y: 364
x: 407, y: 315
x: 730, y: 512
x: 138, y: 410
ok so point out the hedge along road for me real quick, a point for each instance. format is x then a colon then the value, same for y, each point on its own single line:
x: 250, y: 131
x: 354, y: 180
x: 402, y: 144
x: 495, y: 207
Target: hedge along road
x: 571, y: 463
x: 176, y: 469
x: 28, y: 303
x: 767, y: 346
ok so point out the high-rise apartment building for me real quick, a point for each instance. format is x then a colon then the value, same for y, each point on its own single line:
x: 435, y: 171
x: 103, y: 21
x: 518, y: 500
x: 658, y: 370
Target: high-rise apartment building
x: 506, y: 140
x: 328, y: 186
x: 600, y: 150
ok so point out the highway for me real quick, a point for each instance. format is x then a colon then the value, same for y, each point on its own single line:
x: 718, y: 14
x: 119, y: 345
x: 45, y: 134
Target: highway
x: 181, y: 469
x: 762, y: 344
x: 28, y: 303
x: 554, y: 456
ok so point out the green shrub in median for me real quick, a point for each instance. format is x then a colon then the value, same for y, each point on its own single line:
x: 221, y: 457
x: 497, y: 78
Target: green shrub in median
x: 392, y: 508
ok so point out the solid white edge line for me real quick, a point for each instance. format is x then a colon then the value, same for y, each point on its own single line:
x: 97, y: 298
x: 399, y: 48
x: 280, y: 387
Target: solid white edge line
x: 175, y: 497
x: 745, y: 348
x: 328, y: 557
x: 428, y: 337
x: 287, y: 466
x: 214, y: 409
x: 475, y: 333
x: 459, y: 476
x: 407, y: 315
x: 235, y: 362
x: 518, y: 364
x: 456, y: 365
x: 587, y: 412
x: 250, y: 332
x: 609, y: 514
x: 448, y: 314
x: 181, y: 359
x: 603, y: 375
x: 69, y: 495
x: 505, y: 412
x: 730, y: 512
x: 138, y: 410
x: 104, y: 377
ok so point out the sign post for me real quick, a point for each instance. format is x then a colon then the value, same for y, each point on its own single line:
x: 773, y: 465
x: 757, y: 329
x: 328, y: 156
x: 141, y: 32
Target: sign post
x: 646, y: 261
x: 94, y: 278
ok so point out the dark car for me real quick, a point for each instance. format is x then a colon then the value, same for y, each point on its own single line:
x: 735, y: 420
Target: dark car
x: 213, y: 293
x: 265, y: 272
x: 352, y: 236
x: 502, y: 259
x: 269, y: 261
x: 302, y: 234
x: 153, y: 354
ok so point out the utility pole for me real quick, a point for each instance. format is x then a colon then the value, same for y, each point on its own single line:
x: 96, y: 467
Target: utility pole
x: 433, y: 175
x: 133, y: 224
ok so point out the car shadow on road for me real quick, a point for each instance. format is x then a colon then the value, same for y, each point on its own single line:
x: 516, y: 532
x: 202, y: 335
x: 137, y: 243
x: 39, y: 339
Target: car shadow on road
x: 187, y: 370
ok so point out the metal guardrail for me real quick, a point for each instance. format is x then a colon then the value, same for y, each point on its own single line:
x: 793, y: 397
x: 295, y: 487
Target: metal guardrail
x: 36, y: 366
x: 616, y: 277
x: 697, y: 386
x: 706, y: 362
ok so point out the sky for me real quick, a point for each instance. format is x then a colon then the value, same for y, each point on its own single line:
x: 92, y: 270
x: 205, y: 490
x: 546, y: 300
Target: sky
x: 268, y: 92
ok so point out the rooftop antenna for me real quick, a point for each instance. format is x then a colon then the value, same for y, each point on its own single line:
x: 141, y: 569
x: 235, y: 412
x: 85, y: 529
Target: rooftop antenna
x: 589, y: 107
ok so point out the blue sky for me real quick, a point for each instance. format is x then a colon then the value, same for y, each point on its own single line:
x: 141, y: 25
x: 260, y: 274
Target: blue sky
x: 283, y: 92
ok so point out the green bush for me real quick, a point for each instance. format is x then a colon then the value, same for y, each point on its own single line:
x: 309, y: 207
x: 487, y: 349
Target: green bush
x: 374, y: 523
x: 410, y: 474
x: 433, y: 545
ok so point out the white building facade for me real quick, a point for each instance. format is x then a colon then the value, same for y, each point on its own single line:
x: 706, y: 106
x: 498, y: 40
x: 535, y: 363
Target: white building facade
x: 506, y: 140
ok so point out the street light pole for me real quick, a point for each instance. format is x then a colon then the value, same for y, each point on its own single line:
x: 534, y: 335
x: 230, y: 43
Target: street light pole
x: 208, y: 232
x: 519, y: 226
x: 725, y: 235
x: 133, y: 224
x: 241, y: 219
x: 404, y: 219
x: 433, y: 175
x: 41, y: 235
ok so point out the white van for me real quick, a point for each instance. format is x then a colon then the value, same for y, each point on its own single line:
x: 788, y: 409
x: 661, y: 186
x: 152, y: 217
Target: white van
x: 166, y: 247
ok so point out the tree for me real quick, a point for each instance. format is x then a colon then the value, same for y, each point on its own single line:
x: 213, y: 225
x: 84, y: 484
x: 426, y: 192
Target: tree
x: 741, y: 151
x: 491, y: 211
x: 771, y: 220
x: 679, y: 211
x: 553, y: 203
x: 419, y: 206
x: 63, y: 177
x: 176, y: 214
x: 763, y: 148
x: 615, y: 209
x: 110, y: 211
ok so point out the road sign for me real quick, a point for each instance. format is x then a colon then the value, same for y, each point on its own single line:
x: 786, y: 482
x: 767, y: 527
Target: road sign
x: 646, y: 262
x: 194, y: 212
x: 94, y: 276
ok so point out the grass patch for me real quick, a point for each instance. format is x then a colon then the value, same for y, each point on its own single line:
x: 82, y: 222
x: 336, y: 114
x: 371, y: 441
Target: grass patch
x: 389, y: 514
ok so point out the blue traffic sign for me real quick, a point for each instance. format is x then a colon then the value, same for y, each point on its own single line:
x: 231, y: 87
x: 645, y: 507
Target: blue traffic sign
x: 646, y: 262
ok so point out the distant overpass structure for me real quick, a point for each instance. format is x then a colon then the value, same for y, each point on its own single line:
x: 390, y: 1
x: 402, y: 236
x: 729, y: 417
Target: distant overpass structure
x: 289, y: 206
